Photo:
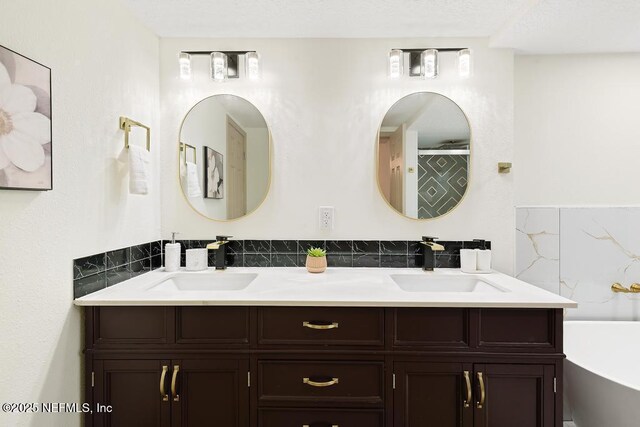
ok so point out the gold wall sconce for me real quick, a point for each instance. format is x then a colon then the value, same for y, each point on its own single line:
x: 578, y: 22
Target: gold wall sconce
x: 125, y: 125
x: 504, y: 167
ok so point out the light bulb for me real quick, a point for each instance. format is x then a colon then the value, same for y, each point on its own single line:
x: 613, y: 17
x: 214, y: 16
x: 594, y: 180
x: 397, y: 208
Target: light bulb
x: 252, y: 65
x: 185, y: 66
x: 429, y: 60
x: 464, y: 63
x: 219, y: 68
x: 395, y: 63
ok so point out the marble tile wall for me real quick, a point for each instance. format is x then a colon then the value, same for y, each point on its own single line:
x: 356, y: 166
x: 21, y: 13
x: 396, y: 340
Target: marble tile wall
x: 340, y: 253
x: 597, y: 246
x: 538, y: 247
x: 95, y: 272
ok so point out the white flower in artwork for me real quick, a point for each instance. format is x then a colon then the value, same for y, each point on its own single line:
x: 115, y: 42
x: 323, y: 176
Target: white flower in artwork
x: 23, y: 132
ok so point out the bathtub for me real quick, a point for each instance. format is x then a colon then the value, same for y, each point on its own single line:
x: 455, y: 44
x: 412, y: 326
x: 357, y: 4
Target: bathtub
x: 602, y: 373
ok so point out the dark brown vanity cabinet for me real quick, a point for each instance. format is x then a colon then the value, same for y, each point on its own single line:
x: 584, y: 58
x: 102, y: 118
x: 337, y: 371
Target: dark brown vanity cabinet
x: 516, y: 395
x: 324, y: 366
x: 474, y: 395
x: 432, y: 394
x: 178, y: 392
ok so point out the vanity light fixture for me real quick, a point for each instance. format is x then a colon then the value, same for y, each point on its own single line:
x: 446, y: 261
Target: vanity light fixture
x: 219, y: 66
x: 429, y: 61
x: 185, y: 66
x: 252, y: 65
x: 424, y: 62
x: 223, y: 64
x: 396, y: 63
x: 464, y: 63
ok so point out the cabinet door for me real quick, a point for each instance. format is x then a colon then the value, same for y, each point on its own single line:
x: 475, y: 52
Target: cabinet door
x: 514, y: 395
x: 207, y: 392
x: 433, y: 395
x: 133, y: 390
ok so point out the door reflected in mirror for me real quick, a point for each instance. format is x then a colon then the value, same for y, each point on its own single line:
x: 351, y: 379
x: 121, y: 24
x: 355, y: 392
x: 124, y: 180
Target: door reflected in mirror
x: 423, y: 152
x: 225, y: 157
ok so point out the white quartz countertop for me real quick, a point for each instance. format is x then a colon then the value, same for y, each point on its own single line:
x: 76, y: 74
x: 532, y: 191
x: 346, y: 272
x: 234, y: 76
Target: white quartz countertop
x: 362, y: 287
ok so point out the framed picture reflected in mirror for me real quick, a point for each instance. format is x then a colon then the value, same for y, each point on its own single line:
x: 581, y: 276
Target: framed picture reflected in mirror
x: 213, y: 174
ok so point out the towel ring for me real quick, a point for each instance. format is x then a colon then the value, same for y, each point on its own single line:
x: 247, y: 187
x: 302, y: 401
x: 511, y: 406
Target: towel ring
x: 125, y: 125
x: 184, y: 147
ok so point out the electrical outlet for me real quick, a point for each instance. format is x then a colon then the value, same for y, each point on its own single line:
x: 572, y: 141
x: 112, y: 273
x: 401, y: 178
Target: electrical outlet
x: 326, y: 217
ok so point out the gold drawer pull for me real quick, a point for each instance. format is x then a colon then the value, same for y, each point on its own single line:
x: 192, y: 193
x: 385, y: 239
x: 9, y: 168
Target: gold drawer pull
x: 176, y: 396
x: 322, y: 383
x: 322, y: 326
x: 163, y: 393
x: 467, y: 382
x: 483, y: 395
x: 332, y: 425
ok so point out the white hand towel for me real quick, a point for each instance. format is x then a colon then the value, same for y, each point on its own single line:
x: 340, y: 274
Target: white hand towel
x: 139, y: 170
x: 193, y: 184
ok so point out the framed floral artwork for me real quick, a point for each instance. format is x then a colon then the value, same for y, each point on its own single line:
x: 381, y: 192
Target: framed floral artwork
x: 213, y: 179
x: 25, y: 123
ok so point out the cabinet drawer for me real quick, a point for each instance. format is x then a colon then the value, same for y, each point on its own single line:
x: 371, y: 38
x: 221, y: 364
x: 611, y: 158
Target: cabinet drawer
x: 321, y: 326
x: 319, y: 418
x: 518, y: 328
x: 129, y: 325
x: 212, y: 325
x: 312, y: 383
x: 431, y: 327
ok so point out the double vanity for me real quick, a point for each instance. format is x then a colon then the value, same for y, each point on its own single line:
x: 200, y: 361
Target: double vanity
x: 267, y: 344
x: 280, y: 347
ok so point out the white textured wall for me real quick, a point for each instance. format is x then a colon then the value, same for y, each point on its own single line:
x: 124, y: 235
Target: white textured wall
x: 105, y: 64
x: 576, y: 129
x: 324, y: 100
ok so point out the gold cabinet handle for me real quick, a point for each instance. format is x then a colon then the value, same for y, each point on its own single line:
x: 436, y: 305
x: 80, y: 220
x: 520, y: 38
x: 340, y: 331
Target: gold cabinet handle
x: 635, y: 288
x: 483, y: 394
x: 332, y: 425
x: 176, y: 396
x: 163, y: 376
x: 321, y: 384
x: 467, y: 381
x: 310, y: 325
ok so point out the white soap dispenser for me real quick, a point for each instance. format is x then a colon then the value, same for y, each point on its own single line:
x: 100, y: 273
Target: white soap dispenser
x: 483, y: 256
x: 172, y: 254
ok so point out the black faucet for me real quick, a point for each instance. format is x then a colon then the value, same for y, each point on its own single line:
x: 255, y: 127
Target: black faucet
x: 429, y: 249
x: 220, y: 246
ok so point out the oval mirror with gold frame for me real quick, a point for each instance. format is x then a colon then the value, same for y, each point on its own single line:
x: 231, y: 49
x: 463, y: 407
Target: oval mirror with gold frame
x: 423, y: 155
x: 224, y: 157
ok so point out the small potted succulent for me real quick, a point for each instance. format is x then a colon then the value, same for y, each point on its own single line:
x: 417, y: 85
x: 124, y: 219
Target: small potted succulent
x: 316, y: 260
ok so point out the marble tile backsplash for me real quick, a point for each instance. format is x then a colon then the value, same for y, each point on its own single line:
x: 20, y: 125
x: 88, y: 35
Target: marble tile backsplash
x: 95, y: 272
x: 578, y: 253
x: 538, y: 247
x: 340, y: 253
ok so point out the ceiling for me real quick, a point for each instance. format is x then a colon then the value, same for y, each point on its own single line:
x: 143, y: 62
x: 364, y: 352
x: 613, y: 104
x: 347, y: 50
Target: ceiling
x: 529, y: 26
x: 435, y: 118
x: 242, y: 111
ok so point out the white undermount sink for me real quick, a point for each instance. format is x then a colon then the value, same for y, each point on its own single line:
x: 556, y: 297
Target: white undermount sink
x: 215, y: 281
x: 417, y: 283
